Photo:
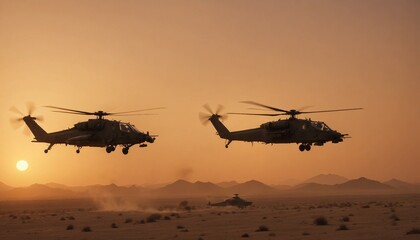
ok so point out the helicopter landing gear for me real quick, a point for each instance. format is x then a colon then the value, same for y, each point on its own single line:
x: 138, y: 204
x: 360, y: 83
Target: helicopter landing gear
x: 227, y: 144
x: 125, y: 150
x: 78, y: 150
x: 49, y: 147
x: 110, y: 149
x: 303, y: 147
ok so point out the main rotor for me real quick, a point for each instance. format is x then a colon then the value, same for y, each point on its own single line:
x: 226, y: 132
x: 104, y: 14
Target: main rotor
x: 292, y: 113
x: 101, y: 114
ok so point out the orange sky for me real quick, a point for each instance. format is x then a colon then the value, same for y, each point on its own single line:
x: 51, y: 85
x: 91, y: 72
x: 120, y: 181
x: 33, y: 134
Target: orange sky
x: 127, y: 55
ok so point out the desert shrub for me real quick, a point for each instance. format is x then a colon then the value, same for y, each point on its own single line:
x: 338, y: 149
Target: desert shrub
x: 395, y: 217
x: 175, y: 215
x: 345, y: 219
x: 113, y: 225
x: 342, y: 227
x: 62, y: 219
x: 70, y: 227
x: 365, y: 206
x: 245, y: 235
x: 320, y: 221
x: 414, y: 231
x: 86, y: 229
x: 140, y: 222
x: 167, y: 218
x: 128, y: 220
x: 153, y: 217
x: 183, y: 204
x: 262, y: 228
x: 70, y: 218
x: 305, y: 234
x: 180, y: 227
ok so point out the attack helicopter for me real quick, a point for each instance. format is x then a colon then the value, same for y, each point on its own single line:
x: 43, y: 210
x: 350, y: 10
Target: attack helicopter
x: 234, y: 201
x: 305, y: 132
x: 98, y: 132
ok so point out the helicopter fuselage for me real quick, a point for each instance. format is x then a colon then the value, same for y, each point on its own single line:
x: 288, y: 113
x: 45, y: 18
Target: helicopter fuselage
x: 292, y: 130
x: 92, y: 133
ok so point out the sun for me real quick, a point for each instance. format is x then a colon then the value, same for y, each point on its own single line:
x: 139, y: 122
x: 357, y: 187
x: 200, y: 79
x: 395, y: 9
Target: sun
x: 22, y: 165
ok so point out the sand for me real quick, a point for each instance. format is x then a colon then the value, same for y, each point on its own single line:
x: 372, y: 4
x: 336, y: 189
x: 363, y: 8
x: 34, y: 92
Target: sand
x: 366, y: 217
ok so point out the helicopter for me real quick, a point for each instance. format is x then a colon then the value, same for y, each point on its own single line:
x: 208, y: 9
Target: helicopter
x: 234, y: 201
x: 292, y: 130
x: 99, y: 132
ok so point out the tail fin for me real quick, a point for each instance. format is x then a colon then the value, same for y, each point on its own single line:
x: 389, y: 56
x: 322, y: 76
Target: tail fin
x: 40, y: 134
x: 220, y: 128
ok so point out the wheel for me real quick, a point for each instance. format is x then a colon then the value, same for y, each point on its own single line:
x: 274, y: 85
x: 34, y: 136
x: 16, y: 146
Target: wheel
x: 109, y: 149
x: 45, y: 151
x: 78, y: 151
x: 308, y: 147
x: 125, y: 150
x: 302, y: 147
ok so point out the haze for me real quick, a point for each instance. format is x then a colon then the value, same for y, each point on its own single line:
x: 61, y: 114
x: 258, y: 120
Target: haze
x: 128, y: 55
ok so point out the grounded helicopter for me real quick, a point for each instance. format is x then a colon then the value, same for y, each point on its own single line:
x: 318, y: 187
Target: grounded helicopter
x: 234, y: 201
x: 97, y: 132
x: 292, y: 130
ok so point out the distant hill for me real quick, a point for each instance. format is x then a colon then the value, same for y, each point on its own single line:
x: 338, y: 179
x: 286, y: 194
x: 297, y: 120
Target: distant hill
x: 328, y: 179
x: 227, y: 184
x: 57, y: 185
x: 363, y: 184
x: 289, y: 182
x: 38, y: 191
x: 252, y: 187
x: 182, y: 187
x: 281, y: 187
x: 4, y: 187
x: 398, y: 184
x: 313, y: 187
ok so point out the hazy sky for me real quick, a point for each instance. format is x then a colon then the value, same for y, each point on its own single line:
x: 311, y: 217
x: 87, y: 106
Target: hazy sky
x: 127, y: 55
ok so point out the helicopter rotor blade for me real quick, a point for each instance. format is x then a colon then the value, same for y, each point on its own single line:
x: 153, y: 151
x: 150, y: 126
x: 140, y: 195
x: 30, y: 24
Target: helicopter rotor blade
x: 264, y: 106
x: 333, y: 110
x: 208, y: 108
x: 77, y: 113
x: 31, y: 107
x: 305, y: 107
x: 204, y: 118
x: 134, y: 111
x: 70, y: 110
x: 15, y: 110
x: 16, y: 123
x: 133, y: 114
x: 260, y: 114
x: 219, y: 109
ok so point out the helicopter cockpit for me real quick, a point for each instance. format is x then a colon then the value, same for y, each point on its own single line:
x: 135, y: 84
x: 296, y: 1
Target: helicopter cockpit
x: 320, y: 126
x: 128, y: 128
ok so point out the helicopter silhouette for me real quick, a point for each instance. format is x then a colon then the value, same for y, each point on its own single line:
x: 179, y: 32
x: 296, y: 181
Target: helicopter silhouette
x: 292, y: 130
x: 99, y: 132
x: 234, y: 201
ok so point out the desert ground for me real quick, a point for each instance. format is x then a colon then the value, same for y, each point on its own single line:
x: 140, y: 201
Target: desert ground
x: 347, y: 217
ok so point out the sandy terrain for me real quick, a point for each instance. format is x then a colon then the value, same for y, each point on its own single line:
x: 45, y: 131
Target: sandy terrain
x: 366, y: 217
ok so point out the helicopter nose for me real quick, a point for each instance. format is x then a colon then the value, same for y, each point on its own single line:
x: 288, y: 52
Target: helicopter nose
x: 337, y: 137
x: 149, y: 139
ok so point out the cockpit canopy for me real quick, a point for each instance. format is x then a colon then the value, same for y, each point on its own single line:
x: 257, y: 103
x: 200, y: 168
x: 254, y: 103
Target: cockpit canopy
x: 320, y: 126
x: 128, y: 128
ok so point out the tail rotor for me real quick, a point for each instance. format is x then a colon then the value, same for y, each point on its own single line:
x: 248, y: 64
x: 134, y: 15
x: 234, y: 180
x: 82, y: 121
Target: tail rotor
x: 18, y: 122
x: 205, y: 117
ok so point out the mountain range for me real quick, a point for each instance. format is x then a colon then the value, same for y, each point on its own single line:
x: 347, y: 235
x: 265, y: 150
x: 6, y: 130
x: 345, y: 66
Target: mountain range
x: 324, y: 184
